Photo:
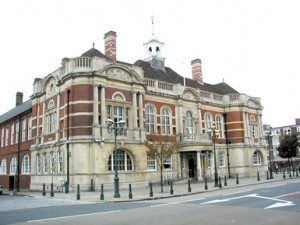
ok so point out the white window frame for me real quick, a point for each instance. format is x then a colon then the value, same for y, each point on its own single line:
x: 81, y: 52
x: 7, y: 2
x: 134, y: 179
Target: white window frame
x: 221, y: 159
x: 256, y: 158
x: 23, y: 130
x: 17, y: 132
x: 150, y: 119
x: 151, y: 163
x: 207, y: 121
x: 13, y: 165
x: 45, y: 164
x: 6, y: 135
x: 219, y: 125
x: 3, y: 166
x: 189, y: 125
x: 12, y: 134
x: 168, y: 161
x: 38, y: 163
x: 52, y: 163
x: 2, y: 137
x: 26, y: 165
x: 125, y: 162
x: 59, y: 161
x: 29, y: 136
x: 166, y: 121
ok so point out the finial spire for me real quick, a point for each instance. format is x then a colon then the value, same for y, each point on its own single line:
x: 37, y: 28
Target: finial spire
x: 152, y: 19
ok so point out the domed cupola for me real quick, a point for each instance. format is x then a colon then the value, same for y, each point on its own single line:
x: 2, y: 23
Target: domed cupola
x: 154, y: 51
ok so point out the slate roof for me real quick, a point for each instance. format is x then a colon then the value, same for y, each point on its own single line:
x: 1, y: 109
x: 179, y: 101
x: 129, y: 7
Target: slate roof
x: 16, y: 111
x: 93, y: 52
x: 171, y: 76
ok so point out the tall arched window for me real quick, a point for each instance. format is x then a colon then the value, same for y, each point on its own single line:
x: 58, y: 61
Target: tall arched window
x: 59, y: 161
x: 221, y: 159
x: 189, y: 125
x: 253, y: 126
x: 123, y: 161
x: 165, y: 121
x: 150, y: 116
x: 256, y: 158
x: 208, y: 121
x: 38, y: 164
x: 45, y: 164
x: 52, y: 163
x: 13, y: 165
x: 219, y: 125
x: 26, y: 165
x: 3, y: 166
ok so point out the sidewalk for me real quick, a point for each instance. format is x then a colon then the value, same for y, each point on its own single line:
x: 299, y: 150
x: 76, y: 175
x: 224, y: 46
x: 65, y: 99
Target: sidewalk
x: 143, y: 194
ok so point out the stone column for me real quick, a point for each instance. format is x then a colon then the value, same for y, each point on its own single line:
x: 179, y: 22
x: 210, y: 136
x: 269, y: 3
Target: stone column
x: 44, y: 123
x: 57, y: 135
x: 96, y: 129
x: 102, y: 105
x: 199, y: 171
x: 134, y: 111
x: 141, y: 111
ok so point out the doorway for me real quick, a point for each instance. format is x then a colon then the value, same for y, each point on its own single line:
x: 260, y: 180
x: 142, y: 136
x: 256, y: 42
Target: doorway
x: 11, y: 183
x: 191, y: 168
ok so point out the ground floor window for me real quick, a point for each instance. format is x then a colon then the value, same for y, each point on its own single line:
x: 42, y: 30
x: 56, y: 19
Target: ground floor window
x: 168, y: 163
x: 151, y: 163
x: 221, y: 159
x: 256, y: 158
x: 122, y: 160
x: 26, y: 165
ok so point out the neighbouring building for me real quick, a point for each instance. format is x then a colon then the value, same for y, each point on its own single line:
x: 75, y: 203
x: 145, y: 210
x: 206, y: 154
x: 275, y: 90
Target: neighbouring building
x: 69, y: 139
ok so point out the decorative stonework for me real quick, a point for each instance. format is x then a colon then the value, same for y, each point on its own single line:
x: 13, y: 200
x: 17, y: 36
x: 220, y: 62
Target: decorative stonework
x: 50, y: 88
x: 189, y: 95
x: 119, y: 74
x: 252, y: 104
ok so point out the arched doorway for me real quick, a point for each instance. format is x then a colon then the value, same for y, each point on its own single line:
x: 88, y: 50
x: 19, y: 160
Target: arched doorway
x: 191, y: 168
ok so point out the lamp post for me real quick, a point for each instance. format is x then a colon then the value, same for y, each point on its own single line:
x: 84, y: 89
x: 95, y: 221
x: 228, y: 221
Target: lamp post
x: 118, y: 129
x: 214, y: 133
x: 268, y: 136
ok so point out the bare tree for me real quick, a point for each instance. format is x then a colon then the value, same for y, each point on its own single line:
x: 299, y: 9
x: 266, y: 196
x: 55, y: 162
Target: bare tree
x: 160, y: 150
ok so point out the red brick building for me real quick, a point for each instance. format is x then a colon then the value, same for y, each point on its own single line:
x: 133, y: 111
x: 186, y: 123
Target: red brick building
x: 70, y: 106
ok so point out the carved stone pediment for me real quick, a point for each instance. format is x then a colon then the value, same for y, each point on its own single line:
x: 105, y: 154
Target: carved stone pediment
x: 189, y: 95
x: 123, y: 74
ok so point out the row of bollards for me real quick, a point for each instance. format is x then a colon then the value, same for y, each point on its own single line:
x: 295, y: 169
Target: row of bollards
x: 189, y: 188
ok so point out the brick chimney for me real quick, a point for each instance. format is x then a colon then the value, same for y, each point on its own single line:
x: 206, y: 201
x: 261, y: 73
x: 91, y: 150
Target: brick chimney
x: 197, y: 70
x: 19, y: 98
x: 110, y: 39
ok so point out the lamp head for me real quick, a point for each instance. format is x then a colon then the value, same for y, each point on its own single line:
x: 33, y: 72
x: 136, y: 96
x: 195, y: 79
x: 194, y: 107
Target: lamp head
x: 109, y: 122
x: 122, y: 123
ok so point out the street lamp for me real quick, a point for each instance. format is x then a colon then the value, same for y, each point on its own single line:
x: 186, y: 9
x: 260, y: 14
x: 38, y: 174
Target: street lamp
x: 118, y: 128
x: 214, y: 133
x: 268, y: 136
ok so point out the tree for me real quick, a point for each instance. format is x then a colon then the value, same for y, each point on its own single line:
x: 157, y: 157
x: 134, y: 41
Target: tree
x: 160, y: 150
x: 288, y: 146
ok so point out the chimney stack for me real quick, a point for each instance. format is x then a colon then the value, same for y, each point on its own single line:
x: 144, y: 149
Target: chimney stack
x: 19, y: 98
x: 110, y: 39
x: 197, y: 70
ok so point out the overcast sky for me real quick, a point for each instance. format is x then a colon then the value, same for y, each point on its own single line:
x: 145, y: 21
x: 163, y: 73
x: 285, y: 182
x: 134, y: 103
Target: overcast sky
x: 253, y: 45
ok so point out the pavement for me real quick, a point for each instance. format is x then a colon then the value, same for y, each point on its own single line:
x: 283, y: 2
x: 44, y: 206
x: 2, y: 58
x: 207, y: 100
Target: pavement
x: 181, y: 188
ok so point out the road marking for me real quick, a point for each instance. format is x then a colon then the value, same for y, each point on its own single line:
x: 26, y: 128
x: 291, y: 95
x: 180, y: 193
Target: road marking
x: 173, y: 203
x: 280, y: 196
x: 276, y: 185
x: 234, y: 193
x: 279, y: 204
x: 227, y: 199
x: 65, y: 217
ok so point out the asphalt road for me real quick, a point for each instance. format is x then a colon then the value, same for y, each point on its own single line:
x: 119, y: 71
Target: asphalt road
x: 272, y: 203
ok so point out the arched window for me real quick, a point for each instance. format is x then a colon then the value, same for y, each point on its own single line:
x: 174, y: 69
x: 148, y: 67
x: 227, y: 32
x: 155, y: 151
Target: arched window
x: 45, y: 164
x: 189, y: 125
x: 3, y: 166
x: 59, y: 161
x: 219, y: 125
x: 13, y: 165
x: 26, y: 165
x: 165, y: 121
x: 52, y: 163
x: 221, y: 159
x: 123, y: 161
x: 168, y: 163
x: 208, y: 121
x: 253, y: 126
x: 38, y: 164
x: 150, y: 119
x: 256, y: 158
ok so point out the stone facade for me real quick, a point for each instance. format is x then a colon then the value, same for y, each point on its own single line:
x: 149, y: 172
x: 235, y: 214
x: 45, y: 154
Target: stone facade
x: 71, y: 142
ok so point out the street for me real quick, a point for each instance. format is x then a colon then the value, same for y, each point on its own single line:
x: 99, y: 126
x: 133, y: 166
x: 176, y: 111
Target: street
x: 271, y: 203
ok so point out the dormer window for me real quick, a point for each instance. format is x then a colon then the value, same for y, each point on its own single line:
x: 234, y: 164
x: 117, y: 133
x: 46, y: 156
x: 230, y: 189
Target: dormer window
x: 150, y: 49
x: 157, y: 49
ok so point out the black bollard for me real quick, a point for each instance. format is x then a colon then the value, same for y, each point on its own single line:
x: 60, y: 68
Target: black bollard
x: 171, y: 187
x: 44, y: 190
x: 220, y: 182
x: 283, y: 174
x: 225, y: 181
x: 151, y: 191
x: 258, y: 178
x: 189, y: 186
x: 78, y: 192
x: 297, y: 175
x: 237, y: 179
x: 66, y: 187
x: 290, y: 175
x: 51, y: 192
x: 102, y: 193
x: 130, y: 192
x: 267, y: 175
x: 205, y: 184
